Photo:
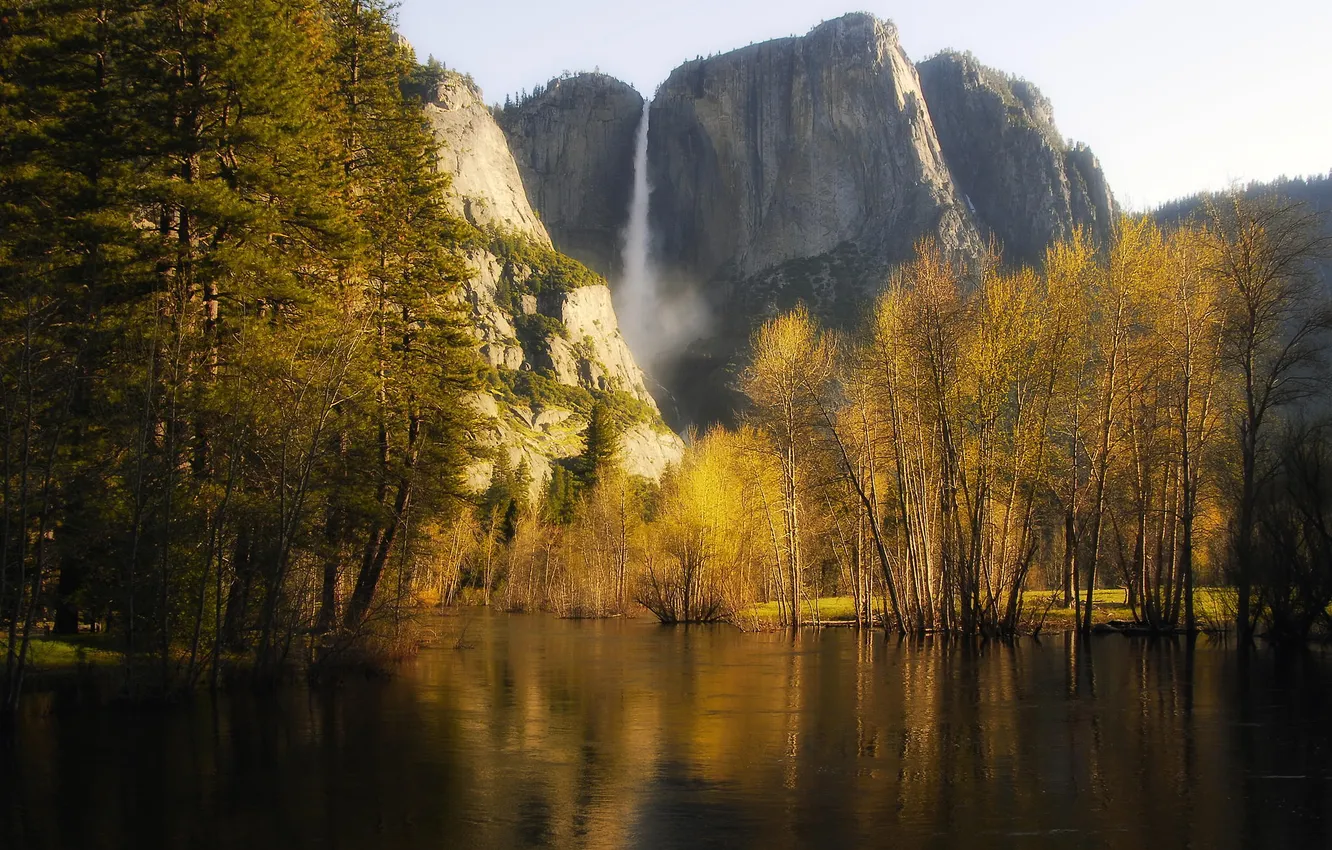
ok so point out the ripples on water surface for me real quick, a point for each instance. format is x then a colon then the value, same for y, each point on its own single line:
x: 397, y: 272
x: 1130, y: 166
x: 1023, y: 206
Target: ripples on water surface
x: 610, y: 734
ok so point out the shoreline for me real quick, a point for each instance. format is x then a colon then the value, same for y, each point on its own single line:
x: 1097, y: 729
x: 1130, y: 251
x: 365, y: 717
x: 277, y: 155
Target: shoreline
x: 90, y: 660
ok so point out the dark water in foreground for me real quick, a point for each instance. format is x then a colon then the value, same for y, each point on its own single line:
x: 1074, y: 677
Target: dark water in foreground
x: 624, y: 734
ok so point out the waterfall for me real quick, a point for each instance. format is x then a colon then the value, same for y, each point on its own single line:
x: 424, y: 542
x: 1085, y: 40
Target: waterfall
x: 659, y: 318
x: 637, y: 293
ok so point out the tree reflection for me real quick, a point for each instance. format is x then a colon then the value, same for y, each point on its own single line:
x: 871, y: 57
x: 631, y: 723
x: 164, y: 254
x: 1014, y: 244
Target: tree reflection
x: 600, y: 734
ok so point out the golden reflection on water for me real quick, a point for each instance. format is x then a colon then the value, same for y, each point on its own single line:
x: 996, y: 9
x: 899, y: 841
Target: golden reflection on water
x: 636, y: 734
x: 609, y: 734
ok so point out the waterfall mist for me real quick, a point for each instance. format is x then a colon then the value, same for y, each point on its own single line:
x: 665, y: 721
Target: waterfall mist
x: 657, y: 324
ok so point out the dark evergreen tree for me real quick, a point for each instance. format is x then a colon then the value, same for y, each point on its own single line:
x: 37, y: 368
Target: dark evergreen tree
x: 522, y: 486
x: 496, y: 499
x: 561, y: 498
x: 509, y: 527
x: 421, y: 357
x: 602, y: 444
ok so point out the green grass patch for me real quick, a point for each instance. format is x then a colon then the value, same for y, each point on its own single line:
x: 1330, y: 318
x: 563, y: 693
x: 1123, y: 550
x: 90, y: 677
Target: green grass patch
x: 1212, y: 607
x: 628, y: 410
x: 549, y: 271
x: 69, y: 652
x: 827, y: 608
x: 536, y: 327
x: 1111, y: 602
x: 535, y: 331
x: 537, y: 389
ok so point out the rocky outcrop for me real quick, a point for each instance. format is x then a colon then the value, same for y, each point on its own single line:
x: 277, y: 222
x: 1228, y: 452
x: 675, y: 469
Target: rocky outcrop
x: 1023, y: 183
x: 542, y: 437
x: 545, y: 326
x: 574, y: 145
x: 492, y: 325
x: 590, y: 352
x: 1094, y: 205
x: 487, y: 189
x: 797, y: 148
x: 536, y: 436
x: 602, y: 358
x: 544, y: 386
x: 797, y: 170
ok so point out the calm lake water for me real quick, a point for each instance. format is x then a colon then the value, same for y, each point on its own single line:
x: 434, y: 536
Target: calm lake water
x: 606, y: 734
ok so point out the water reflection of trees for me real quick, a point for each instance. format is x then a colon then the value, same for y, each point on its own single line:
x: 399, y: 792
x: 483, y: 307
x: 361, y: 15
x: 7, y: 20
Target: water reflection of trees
x: 614, y: 734
x: 842, y: 738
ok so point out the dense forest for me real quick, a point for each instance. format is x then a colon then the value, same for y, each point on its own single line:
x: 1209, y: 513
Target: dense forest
x: 234, y: 362
x: 1314, y: 191
x: 236, y: 371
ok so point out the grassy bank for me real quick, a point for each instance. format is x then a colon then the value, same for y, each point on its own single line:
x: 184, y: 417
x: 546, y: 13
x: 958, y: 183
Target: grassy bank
x: 53, y: 659
x: 66, y: 653
x: 1210, y: 604
x: 96, y: 663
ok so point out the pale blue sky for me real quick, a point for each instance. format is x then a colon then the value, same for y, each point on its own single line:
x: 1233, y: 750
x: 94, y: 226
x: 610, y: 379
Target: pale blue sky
x: 1173, y: 95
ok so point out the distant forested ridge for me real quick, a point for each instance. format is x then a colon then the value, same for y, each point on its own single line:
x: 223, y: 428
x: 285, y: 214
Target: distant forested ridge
x: 233, y: 358
x: 1315, y: 192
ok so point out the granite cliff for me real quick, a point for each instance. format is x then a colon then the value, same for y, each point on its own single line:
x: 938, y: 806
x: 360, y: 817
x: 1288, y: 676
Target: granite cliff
x: 487, y: 189
x: 796, y: 170
x: 544, y: 323
x: 574, y: 145
x: 1023, y: 183
x: 796, y: 148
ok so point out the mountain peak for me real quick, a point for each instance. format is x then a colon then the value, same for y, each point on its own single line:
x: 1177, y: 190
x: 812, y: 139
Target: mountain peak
x: 856, y: 25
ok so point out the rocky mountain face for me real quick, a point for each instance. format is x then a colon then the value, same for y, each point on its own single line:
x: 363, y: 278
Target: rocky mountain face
x: 574, y: 145
x: 545, y: 324
x: 1020, y: 179
x: 487, y: 189
x: 803, y: 169
x: 796, y: 148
